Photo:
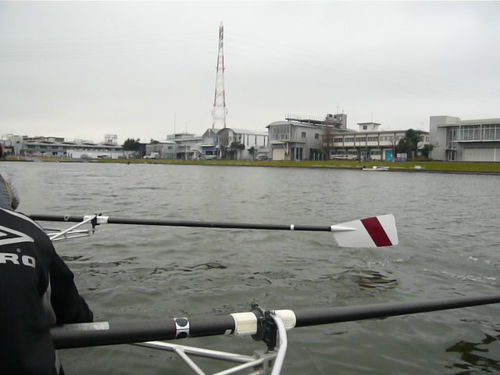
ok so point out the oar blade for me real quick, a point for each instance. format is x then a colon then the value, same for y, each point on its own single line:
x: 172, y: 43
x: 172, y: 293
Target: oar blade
x: 379, y: 231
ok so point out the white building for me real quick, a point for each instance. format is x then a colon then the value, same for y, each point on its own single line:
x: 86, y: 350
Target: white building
x: 465, y: 140
x: 161, y: 149
x: 188, y: 146
x: 302, y: 138
x: 246, y: 138
x: 293, y: 140
x: 329, y: 138
x: 13, y: 143
x: 210, y: 144
x: 369, y: 143
x: 58, y: 147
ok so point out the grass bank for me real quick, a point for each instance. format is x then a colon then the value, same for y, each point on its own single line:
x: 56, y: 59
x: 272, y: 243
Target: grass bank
x: 419, y: 166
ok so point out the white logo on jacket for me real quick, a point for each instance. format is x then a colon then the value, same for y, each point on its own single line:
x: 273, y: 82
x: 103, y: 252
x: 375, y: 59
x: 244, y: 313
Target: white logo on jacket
x: 10, y: 236
x: 25, y: 260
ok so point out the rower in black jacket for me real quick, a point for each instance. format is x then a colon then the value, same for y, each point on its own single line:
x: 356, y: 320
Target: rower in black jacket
x: 36, y: 291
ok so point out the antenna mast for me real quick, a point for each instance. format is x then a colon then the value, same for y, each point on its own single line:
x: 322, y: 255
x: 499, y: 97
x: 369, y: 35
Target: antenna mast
x: 219, y: 112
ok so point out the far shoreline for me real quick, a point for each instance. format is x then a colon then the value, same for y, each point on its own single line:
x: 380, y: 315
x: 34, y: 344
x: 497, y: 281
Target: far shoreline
x: 410, y: 166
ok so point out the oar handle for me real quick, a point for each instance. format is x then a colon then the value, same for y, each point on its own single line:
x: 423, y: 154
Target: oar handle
x: 109, y: 333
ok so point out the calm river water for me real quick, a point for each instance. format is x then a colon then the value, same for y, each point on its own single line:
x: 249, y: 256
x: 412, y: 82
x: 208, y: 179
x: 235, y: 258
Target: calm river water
x: 449, y: 247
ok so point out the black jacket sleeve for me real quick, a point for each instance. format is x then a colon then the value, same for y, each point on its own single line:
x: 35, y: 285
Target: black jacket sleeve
x: 67, y: 303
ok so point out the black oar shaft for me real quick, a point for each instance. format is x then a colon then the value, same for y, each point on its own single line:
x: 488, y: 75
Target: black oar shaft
x: 96, y: 334
x: 353, y: 313
x: 181, y: 223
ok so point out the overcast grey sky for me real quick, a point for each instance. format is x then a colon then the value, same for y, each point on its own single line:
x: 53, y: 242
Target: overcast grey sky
x: 85, y: 69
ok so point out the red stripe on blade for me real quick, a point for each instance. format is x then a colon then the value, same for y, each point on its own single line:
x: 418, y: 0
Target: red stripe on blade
x: 376, y: 232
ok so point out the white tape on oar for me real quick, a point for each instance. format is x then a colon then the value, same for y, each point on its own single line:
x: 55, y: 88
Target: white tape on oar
x: 245, y: 324
x: 100, y: 219
x: 288, y: 317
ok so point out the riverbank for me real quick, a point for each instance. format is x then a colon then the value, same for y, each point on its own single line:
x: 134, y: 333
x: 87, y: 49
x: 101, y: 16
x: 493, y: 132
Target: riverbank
x: 418, y: 166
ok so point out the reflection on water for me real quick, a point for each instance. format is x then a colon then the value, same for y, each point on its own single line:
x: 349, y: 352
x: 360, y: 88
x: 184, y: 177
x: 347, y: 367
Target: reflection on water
x: 475, y: 356
x: 374, y: 280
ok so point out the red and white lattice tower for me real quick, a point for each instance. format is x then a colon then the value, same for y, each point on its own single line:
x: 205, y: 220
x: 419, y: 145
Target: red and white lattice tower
x: 219, y: 112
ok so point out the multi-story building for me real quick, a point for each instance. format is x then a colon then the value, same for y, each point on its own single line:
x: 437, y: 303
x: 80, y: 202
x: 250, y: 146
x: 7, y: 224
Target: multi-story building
x: 161, y: 149
x: 290, y: 140
x: 188, y: 146
x: 465, y: 140
x: 209, y: 144
x: 299, y: 138
x: 246, y: 138
x: 315, y: 139
x: 13, y: 143
x: 369, y: 143
x: 58, y: 147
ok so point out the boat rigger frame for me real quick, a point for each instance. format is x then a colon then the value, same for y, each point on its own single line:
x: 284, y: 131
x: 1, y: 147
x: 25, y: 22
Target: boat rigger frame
x: 259, y: 363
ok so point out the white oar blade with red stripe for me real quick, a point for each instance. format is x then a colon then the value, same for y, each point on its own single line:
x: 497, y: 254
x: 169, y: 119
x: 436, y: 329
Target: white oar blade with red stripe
x: 379, y: 231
